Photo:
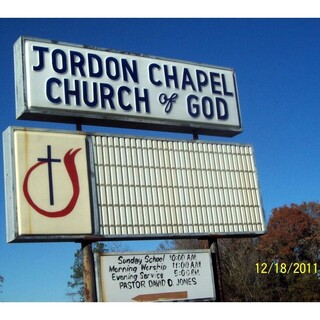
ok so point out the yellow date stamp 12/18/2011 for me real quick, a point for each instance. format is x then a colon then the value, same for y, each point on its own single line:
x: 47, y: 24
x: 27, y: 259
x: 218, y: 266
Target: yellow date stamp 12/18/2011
x: 287, y: 268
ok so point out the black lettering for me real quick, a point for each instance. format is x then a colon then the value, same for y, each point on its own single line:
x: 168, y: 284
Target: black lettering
x: 222, y: 109
x: 72, y: 92
x: 41, y: 51
x: 151, y: 74
x: 186, y: 281
x: 187, y: 80
x: 139, y: 99
x: 94, y: 101
x: 156, y: 283
x: 94, y: 65
x: 214, y: 83
x: 49, y: 85
x: 59, y: 61
x: 207, y: 107
x: 126, y: 107
x: 171, y: 77
x: 193, y: 108
x: 224, y: 87
x: 112, y: 68
x: 77, y: 62
x: 131, y: 70
x: 106, y: 96
x: 202, y: 79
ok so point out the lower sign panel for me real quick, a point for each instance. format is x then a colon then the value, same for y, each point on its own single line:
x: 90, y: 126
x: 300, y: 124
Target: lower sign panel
x: 154, y: 276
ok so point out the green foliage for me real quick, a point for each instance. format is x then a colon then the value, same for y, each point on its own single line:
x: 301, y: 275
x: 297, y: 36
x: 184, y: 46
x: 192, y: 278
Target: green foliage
x: 77, y: 277
x: 76, y: 283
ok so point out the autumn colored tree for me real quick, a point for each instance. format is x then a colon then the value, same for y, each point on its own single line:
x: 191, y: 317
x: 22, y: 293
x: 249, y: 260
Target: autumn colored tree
x: 258, y: 269
x: 292, y: 235
x: 292, y: 247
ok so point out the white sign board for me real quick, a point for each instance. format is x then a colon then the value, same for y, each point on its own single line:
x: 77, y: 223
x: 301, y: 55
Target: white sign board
x: 71, y: 83
x: 47, y: 176
x: 154, y: 276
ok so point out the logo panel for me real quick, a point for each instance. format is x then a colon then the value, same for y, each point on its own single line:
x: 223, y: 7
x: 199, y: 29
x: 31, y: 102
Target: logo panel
x: 52, y: 177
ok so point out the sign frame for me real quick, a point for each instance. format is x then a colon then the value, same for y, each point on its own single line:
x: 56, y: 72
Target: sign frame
x: 173, y: 235
x: 97, y: 235
x: 11, y: 194
x: 25, y: 111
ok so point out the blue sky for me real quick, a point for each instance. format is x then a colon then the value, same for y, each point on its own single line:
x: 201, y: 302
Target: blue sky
x: 277, y: 67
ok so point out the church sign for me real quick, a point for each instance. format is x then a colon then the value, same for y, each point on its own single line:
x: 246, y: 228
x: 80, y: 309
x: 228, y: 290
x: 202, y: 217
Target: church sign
x: 70, y: 83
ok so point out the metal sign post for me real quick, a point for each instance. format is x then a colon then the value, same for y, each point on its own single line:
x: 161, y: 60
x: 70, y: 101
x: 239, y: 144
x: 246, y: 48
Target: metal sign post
x: 90, y: 292
x: 216, y: 266
x: 89, y: 283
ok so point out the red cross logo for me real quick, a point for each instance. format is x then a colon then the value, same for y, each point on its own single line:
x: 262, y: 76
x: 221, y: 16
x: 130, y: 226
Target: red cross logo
x: 69, y: 163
